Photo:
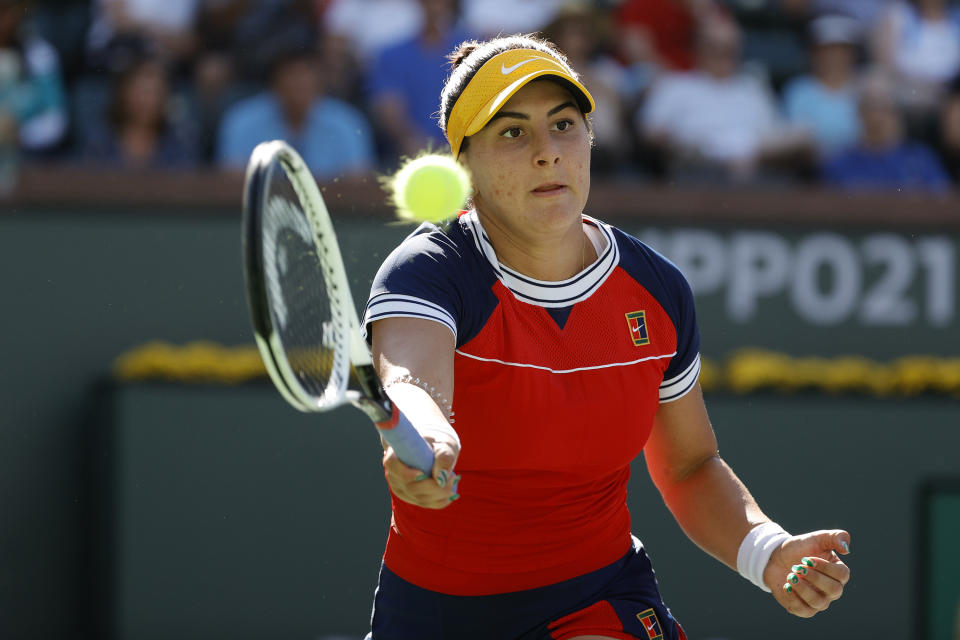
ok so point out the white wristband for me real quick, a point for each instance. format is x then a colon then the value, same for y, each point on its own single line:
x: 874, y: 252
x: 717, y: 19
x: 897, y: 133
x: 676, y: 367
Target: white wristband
x: 756, y: 549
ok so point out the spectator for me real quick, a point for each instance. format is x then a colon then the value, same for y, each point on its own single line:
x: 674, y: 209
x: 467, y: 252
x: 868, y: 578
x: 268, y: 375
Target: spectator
x: 650, y: 37
x: 258, y: 31
x: 121, y: 31
x: 267, y: 29
x: 716, y: 122
x: 333, y: 137
x: 668, y: 27
x: 405, y: 80
x: 884, y: 159
x: 142, y: 129
x: 865, y: 12
x: 373, y: 25
x: 580, y: 33
x: 949, y: 138
x: 918, y: 44
x: 238, y: 41
x: 64, y: 24
x: 33, y: 113
x: 641, y: 64
x: 216, y: 81
x: 825, y: 101
x: 486, y: 18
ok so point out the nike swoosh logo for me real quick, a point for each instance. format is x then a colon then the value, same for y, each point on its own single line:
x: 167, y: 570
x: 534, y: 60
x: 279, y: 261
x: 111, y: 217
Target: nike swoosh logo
x: 508, y: 70
x: 649, y: 628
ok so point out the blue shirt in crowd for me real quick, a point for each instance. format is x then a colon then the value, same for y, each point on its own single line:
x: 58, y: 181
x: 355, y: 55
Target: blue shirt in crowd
x: 831, y: 116
x: 336, y: 138
x: 416, y: 72
x: 176, y: 148
x: 909, y: 167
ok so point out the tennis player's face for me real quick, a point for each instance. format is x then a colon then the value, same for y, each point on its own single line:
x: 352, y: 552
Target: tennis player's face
x: 530, y: 165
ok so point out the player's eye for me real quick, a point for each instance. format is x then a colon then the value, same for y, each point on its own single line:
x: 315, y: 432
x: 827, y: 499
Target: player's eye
x: 512, y: 132
x: 563, y: 125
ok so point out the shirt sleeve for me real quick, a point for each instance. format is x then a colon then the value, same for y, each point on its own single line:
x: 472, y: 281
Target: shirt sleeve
x: 671, y: 290
x: 684, y: 368
x: 417, y: 281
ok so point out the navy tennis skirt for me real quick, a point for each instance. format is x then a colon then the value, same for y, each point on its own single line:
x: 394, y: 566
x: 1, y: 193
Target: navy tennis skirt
x: 621, y: 600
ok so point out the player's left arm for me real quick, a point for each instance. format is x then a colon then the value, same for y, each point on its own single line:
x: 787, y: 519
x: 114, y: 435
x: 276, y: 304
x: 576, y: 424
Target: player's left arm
x: 716, y: 510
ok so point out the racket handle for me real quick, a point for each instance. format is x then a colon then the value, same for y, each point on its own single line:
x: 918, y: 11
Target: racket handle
x: 410, y: 446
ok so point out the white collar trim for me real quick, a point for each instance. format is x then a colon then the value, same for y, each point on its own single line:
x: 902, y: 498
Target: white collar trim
x: 563, y: 293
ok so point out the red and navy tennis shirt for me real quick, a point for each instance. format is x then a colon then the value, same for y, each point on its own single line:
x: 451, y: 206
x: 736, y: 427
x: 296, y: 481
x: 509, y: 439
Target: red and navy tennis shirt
x: 556, y: 387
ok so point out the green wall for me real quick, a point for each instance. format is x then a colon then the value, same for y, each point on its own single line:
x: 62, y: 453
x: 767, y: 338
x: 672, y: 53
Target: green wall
x: 235, y: 516
x: 939, y: 588
x: 82, y: 287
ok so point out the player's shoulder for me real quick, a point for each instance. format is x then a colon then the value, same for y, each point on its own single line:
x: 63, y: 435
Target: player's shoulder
x: 444, y: 250
x: 439, y: 242
x: 643, y: 262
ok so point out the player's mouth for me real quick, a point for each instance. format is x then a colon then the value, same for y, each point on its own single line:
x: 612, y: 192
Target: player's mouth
x: 549, y: 189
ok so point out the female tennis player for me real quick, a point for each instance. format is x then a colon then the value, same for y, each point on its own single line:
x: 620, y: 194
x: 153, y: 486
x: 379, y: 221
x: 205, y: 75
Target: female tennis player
x: 539, y: 351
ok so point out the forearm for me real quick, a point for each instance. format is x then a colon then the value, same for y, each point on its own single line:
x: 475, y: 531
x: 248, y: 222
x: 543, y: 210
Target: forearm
x: 426, y: 408
x: 414, y: 358
x: 713, y: 507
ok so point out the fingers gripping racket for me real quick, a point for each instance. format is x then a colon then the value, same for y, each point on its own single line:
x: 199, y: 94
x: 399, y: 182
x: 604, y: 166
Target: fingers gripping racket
x: 304, y: 320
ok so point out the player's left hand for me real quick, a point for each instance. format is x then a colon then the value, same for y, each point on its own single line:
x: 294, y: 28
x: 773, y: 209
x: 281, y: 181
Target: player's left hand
x: 806, y: 574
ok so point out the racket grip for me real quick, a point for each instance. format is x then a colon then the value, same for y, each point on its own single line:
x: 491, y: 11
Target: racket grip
x: 410, y: 446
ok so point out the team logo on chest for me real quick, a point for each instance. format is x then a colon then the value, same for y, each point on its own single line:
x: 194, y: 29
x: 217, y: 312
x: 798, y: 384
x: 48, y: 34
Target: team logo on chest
x: 637, y: 323
x: 650, y: 624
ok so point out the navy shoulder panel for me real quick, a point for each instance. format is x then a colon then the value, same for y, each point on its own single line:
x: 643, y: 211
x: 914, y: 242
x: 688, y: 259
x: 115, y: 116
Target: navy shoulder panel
x: 436, y: 273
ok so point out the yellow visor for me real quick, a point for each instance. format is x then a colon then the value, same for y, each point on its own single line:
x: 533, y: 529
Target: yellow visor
x: 496, y: 81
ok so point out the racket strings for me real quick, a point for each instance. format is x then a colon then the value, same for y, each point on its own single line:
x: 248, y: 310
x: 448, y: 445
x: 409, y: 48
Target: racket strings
x: 308, y: 322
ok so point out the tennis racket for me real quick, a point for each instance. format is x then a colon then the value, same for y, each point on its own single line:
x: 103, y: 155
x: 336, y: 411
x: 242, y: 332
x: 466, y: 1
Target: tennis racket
x: 304, y: 319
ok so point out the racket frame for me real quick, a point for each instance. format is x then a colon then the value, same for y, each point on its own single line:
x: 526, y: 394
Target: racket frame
x: 371, y: 398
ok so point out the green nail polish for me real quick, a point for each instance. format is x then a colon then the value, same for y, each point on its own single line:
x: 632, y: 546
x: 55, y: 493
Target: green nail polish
x: 421, y: 477
x: 793, y: 578
x: 455, y: 496
x: 846, y: 547
x: 788, y: 587
x: 808, y: 562
x: 442, y: 478
x: 799, y: 568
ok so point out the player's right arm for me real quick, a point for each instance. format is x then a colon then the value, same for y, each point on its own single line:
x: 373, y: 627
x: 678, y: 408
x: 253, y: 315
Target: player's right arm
x: 414, y: 359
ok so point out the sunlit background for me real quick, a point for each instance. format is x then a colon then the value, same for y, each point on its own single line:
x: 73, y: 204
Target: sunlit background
x: 798, y: 159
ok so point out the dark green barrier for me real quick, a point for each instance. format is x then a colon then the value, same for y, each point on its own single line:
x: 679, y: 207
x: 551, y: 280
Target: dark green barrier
x: 80, y: 288
x: 235, y: 517
x: 939, y: 592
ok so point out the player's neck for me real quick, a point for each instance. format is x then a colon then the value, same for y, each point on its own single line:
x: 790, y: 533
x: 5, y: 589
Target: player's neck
x: 551, y: 260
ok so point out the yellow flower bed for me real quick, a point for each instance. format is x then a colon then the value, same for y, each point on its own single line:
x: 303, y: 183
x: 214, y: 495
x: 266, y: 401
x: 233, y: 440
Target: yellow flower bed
x: 750, y: 370
x: 200, y: 361
x: 745, y: 371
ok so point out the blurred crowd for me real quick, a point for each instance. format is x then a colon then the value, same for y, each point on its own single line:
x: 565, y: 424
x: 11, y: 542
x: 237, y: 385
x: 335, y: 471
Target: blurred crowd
x: 855, y: 94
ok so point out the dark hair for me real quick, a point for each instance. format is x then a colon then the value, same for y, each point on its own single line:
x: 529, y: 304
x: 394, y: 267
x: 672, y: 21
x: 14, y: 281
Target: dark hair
x: 117, y: 114
x: 285, y: 56
x: 467, y: 58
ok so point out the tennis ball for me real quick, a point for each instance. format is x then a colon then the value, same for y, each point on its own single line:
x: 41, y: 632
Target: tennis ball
x: 430, y: 188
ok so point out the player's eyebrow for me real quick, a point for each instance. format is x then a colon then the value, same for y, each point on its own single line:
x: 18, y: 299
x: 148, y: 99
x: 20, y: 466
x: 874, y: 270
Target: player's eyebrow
x: 523, y: 116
